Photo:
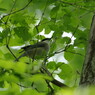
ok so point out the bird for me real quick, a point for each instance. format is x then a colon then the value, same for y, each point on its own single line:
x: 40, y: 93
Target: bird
x: 37, y: 51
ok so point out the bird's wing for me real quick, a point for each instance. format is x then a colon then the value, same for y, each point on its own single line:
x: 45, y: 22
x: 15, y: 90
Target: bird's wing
x: 37, y: 45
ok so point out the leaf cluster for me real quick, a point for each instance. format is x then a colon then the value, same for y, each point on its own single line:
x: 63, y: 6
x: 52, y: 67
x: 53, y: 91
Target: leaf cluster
x: 21, y: 21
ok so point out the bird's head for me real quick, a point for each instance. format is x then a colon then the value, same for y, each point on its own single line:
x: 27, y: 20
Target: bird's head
x: 46, y: 40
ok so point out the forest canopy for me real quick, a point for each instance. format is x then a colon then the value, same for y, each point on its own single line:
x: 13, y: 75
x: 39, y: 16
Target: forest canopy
x: 21, y: 24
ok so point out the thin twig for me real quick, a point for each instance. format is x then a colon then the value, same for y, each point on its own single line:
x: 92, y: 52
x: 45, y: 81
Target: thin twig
x: 57, y: 67
x: 11, y: 51
x: 21, y: 85
x: 54, y: 81
x: 7, y: 40
x: 66, y: 47
x: 75, y: 53
x: 18, y: 10
x: 43, y: 13
x: 48, y: 83
x: 41, y: 18
x: 8, y: 37
x: 10, y: 12
x: 75, y: 5
x: 57, y: 52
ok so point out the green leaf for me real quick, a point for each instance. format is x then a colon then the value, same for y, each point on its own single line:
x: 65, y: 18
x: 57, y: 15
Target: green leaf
x: 1, y: 37
x: 66, y: 40
x: 40, y: 84
x: 19, y: 19
x: 78, y: 59
x: 75, y: 20
x: 2, y: 9
x: 22, y: 32
x: 35, y: 78
x: 20, y: 4
x: 81, y: 38
x: 86, y: 20
x: 47, y: 30
x: 69, y: 53
x: 20, y: 67
x: 68, y: 56
x: 5, y: 32
x: 6, y: 5
x: 6, y: 64
x: 57, y: 33
x: 1, y: 83
x: 8, y: 56
x: 10, y: 78
x: 53, y: 12
x: 16, y: 41
x: 51, y: 65
x: 29, y: 91
x: 66, y: 72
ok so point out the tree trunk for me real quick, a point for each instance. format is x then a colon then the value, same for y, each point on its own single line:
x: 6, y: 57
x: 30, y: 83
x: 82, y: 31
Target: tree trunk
x: 88, y: 71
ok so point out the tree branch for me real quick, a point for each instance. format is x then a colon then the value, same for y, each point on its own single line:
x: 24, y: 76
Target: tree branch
x: 88, y: 70
x: 58, y: 83
x: 11, y: 51
x: 76, y: 5
x: 54, y: 81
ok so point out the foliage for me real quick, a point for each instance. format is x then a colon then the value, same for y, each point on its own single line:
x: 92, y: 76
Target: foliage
x: 21, y: 21
x: 78, y: 91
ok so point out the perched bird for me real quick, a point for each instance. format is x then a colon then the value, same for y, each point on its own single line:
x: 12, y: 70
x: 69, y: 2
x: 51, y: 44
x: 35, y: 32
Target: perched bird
x: 36, y: 51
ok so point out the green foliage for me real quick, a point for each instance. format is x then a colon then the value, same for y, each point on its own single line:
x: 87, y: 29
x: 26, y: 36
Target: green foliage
x: 2, y: 9
x: 22, y: 21
x: 66, y: 72
x: 21, y: 32
x: 78, y: 91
